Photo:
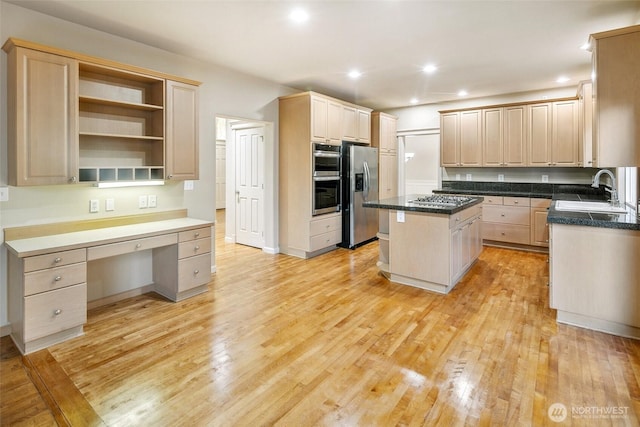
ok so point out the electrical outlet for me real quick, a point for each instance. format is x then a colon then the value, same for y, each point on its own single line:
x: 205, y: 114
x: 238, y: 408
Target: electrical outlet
x: 457, y: 177
x: 109, y: 205
x: 469, y: 177
x: 545, y: 178
x: 153, y: 202
x: 500, y: 177
x: 4, y: 194
x: 142, y: 202
x: 94, y: 205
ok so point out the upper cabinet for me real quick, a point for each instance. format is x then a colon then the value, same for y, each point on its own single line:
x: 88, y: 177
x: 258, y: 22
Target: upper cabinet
x: 75, y: 118
x: 356, y: 124
x: 616, y: 96
x: 181, y: 144
x: 384, y: 136
x: 326, y: 120
x: 535, y: 134
x: 461, y: 138
x: 42, y: 118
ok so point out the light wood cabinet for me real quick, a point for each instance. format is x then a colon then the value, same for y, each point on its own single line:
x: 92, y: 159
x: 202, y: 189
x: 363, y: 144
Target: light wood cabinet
x: 326, y: 120
x: 383, y: 136
x: 356, y: 124
x: 181, y: 145
x: 41, y: 117
x: 616, y: 95
x: 504, y: 139
x: 78, y: 118
x: 585, y: 100
x: 539, y: 134
x: 539, y: 225
x: 554, y: 134
x: 461, y: 138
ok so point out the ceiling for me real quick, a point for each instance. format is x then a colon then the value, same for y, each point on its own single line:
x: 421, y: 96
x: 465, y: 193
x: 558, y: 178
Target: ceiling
x: 484, y: 47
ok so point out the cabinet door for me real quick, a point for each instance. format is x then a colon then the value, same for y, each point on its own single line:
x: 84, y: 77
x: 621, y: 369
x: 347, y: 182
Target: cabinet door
x: 42, y: 118
x: 565, y: 143
x: 364, y: 126
x: 449, y: 139
x: 319, y: 119
x: 515, y: 135
x: 492, y: 141
x: 181, y: 144
x: 539, y: 227
x: 471, y: 138
x: 388, y: 179
x: 334, y: 122
x: 388, y: 134
x: 540, y: 134
x: 349, y: 123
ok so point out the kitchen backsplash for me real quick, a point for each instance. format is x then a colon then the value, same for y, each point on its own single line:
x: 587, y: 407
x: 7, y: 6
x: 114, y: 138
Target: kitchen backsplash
x: 518, y: 187
x: 569, y: 175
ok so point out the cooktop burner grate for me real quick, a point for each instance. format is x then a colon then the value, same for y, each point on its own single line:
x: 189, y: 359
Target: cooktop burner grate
x: 438, y: 200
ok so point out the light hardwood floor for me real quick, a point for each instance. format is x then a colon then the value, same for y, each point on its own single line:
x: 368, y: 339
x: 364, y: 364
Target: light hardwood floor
x: 328, y: 341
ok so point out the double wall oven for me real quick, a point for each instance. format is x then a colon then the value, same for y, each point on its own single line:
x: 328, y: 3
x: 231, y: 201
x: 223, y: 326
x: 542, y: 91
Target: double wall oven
x: 326, y: 178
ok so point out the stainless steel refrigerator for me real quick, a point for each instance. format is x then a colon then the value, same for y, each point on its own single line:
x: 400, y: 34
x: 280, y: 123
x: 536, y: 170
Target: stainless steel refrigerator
x: 359, y: 184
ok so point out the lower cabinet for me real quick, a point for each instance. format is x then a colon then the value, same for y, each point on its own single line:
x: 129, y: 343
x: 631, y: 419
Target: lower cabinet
x: 539, y: 225
x: 466, y: 244
x: 325, y: 232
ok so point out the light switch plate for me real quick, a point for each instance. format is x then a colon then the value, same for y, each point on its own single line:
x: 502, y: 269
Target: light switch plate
x: 188, y: 185
x: 142, y: 202
x: 469, y: 177
x: 545, y: 178
x: 94, y: 205
x: 109, y: 205
x: 153, y: 201
x: 4, y: 194
x: 500, y: 177
x: 400, y: 216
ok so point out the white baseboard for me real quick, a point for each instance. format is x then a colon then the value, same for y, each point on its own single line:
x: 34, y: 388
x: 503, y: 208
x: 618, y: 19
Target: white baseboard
x: 271, y: 251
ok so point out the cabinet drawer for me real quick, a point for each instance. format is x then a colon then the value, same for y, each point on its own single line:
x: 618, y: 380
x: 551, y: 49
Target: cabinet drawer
x: 540, y: 203
x: 516, y: 201
x: 194, y: 247
x: 104, y: 251
x: 54, y: 278
x: 199, y: 233
x: 325, y: 225
x: 325, y: 240
x: 506, y: 214
x: 194, y: 271
x: 51, y: 312
x: 492, y: 200
x: 55, y: 259
x: 460, y: 217
x: 506, y: 233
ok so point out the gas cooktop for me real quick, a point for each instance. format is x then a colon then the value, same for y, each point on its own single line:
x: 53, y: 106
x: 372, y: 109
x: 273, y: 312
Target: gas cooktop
x: 440, y: 201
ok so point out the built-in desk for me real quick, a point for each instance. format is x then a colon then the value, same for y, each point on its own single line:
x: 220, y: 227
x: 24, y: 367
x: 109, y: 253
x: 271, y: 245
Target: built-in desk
x: 48, y: 274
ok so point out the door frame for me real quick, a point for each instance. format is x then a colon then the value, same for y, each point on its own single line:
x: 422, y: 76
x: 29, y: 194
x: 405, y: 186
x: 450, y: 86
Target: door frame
x: 270, y: 180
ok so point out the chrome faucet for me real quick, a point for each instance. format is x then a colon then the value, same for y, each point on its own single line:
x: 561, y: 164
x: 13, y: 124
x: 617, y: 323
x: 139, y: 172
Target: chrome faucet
x: 613, y: 191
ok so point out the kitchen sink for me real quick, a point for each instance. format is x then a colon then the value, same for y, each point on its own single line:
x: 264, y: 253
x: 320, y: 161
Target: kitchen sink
x: 595, y: 207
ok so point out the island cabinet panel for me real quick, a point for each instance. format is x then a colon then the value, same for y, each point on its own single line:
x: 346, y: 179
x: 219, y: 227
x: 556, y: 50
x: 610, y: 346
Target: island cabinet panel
x: 42, y: 118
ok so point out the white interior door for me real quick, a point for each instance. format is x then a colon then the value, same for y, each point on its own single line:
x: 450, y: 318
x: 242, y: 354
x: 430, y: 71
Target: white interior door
x: 221, y: 174
x: 249, y: 153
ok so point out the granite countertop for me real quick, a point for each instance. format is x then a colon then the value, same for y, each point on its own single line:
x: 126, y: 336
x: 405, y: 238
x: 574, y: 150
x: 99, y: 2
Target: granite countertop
x: 403, y: 203
x: 628, y: 221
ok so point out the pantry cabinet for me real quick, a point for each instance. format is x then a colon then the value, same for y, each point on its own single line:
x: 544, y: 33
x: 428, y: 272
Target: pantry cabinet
x: 41, y: 118
x: 77, y: 118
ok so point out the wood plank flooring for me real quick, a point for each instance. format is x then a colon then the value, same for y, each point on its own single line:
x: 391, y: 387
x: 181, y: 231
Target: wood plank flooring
x: 330, y: 342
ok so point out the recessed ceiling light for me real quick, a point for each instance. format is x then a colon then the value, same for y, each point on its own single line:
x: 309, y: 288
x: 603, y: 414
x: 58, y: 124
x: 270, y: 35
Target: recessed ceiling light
x: 463, y: 93
x: 299, y: 15
x: 430, y: 69
x: 354, y: 74
x: 414, y: 101
x: 562, y: 79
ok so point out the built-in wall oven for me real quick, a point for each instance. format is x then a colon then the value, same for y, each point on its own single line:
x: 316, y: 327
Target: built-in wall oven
x: 326, y: 178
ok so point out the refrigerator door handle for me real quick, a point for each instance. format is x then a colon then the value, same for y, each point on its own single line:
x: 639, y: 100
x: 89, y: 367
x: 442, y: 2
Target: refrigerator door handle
x: 367, y: 181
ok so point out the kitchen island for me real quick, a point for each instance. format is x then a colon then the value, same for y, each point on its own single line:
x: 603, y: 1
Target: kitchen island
x: 429, y: 242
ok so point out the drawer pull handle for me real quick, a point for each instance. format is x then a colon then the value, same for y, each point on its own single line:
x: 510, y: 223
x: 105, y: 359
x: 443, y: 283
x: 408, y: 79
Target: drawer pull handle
x: 503, y: 233
x: 57, y: 312
x: 502, y: 215
x: 197, y: 235
x: 58, y: 278
x: 197, y: 248
x: 138, y: 245
x: 57, y: 260
x: 516, y: 202
x: 196, y: 271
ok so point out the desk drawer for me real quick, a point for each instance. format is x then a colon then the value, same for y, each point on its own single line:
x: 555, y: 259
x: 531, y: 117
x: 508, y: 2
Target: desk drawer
x: 194, y: 247
x: 51, y: 312
x: 199, y: 233
x: 194, y: 271
x: 54, y: 278
x: 104, y: 251
x: 55, y: 259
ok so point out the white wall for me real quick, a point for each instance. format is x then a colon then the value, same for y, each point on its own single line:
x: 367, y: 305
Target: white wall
x: 223, y: 92
x: 421, y: 170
